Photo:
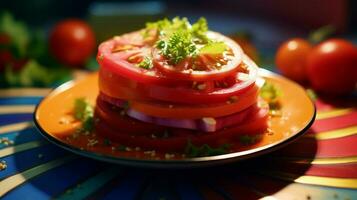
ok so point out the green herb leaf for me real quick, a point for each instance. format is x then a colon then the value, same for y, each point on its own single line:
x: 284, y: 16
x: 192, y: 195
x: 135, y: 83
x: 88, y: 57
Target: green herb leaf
x: 146, y: 63
x: 205, y: 150
x: 178, y: 39
x: 199, y: 30
x: 179, y: 46
x: 249, y: 139
x: 84, y: 112
x: 213, y: 48
x: 311, y: 93
x: 82, y: 109
x: 270, y: 92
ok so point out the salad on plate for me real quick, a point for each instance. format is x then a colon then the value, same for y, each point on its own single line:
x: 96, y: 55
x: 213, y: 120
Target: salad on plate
x: 177, y: 87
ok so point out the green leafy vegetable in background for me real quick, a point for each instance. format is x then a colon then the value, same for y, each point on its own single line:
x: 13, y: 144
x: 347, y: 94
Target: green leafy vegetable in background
x: 205, y: 150
x: 84, y: 112
x: 32, y: 73
x: 29, y: 63
x: 18, y: 33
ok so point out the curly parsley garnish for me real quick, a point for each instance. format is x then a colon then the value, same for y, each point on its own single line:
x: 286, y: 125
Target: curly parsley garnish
x: 178, y: 39
x: 83, y: 111
x: 179, y: 46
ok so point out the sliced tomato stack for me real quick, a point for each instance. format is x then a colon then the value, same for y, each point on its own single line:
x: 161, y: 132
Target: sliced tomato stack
x: 207, y: 99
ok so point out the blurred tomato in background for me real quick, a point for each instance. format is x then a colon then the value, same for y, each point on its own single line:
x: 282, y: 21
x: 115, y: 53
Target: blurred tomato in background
x: 72, y: 42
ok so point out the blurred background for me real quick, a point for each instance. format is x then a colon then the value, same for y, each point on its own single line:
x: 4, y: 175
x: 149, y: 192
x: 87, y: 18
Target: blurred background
x: 261, y: 25
x: 270, y: 20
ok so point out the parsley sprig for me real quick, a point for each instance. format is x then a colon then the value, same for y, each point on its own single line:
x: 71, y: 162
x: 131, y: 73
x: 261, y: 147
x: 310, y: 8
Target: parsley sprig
x: 179, y: 46
x: 178, y: 39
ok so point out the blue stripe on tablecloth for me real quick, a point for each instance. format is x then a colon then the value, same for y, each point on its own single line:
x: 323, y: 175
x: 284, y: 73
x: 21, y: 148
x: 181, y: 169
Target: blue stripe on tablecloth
x: 20, y: 100
x: 6, y: 119
x: 22, y: 136
x: 186, y: 190
x: 128, y: 188
x: 89, y: 186
x: 55, y: 181
x: 159, y: 187
x: 24, y: 160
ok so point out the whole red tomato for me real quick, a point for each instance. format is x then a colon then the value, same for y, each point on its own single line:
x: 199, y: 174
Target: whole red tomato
x: 72, y: 42
x: 291, y: 58
x: 332, y: 67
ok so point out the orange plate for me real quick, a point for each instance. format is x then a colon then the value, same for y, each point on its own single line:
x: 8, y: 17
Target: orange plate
x: 54, y: 119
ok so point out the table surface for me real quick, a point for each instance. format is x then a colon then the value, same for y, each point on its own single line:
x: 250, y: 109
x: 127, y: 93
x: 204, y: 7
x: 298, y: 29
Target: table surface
x: 320, y: 165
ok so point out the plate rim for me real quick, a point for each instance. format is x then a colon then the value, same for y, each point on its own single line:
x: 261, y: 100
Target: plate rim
x: 196, y: 162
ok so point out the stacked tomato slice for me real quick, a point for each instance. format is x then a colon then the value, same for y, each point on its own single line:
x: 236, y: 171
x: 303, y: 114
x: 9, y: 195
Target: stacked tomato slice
x: 207, y: 99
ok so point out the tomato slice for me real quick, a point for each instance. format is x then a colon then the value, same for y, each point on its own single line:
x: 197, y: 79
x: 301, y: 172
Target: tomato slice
x: 178, y: 138
x: 116, y: 63
x: 183, y: 111
x: 182, y: 72
x: 121, y: 54
x: 117, y: 86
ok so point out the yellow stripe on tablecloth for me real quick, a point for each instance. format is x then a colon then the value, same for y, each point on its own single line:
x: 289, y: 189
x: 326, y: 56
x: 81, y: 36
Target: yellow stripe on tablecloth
x: 314, y: 180
x: 17, y: 109
x: 13, y: 181
x: 337, y: 133
x: 21, y: 147
x: 15, y: 127
x: 318, y: 161
x: 24, y: 92
x: 333, y: 113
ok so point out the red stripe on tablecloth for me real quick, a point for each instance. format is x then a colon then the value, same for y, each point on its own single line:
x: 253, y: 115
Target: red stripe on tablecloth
x: 311, y: 148
x: 334, y: 123
x: 338, y: 170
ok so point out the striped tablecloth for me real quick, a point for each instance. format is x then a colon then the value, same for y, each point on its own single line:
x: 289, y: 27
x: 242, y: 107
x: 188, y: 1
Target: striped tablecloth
x: 320, y: 165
